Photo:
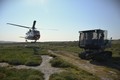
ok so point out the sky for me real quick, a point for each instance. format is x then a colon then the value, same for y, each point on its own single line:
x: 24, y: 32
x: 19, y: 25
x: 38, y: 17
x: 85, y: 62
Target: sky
x: 67, y: 16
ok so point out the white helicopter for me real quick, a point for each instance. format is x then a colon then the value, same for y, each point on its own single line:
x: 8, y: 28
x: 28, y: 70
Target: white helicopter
x: 32, y: 34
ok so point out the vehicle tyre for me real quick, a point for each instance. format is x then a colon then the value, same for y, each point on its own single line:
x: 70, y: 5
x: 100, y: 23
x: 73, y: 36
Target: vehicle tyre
x: 88, y: 56
x: 108, y: 55
x: 82, y: 55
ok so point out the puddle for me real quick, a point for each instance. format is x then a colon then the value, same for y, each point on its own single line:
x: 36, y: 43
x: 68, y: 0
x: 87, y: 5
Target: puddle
x: 45, y: 67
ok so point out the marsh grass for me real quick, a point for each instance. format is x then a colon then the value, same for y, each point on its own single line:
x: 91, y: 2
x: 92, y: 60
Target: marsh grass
x: 60, y: 63
x: 34, y: 61
x: 19, y: 56
x: 73, y: 74
x: 115, y: 49
x: 15, y: 54
x: 21, y: 74
x: 62, y: 46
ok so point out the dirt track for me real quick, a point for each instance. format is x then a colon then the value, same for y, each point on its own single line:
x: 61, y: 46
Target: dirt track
x: 100, y: 71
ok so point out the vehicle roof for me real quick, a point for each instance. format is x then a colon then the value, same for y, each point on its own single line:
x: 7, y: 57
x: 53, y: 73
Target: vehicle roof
x: 91, y: 30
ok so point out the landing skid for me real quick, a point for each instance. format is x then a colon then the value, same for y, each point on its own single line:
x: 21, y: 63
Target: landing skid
x: 26, y: 40
x: 31, y: 41
x: 34, y: 41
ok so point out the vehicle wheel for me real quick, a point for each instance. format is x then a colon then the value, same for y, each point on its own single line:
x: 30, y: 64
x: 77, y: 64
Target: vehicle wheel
x: 82, y: 55
x: 108, y: 55
x: 99, y: 57
x: 88, y: 56
x: 103, y: 56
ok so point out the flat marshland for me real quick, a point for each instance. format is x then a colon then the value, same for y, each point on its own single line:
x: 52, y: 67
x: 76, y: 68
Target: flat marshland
x: 65, y: 57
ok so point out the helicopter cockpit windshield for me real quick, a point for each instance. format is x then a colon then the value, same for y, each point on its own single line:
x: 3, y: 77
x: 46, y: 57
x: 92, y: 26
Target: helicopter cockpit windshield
x: 36, y: 32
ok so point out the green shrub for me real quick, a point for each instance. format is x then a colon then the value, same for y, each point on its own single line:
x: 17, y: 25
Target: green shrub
x: 32, y: 63
x: 57, y: 62
x: 52, y: 55
x: 20, y: 74
x: 18, y: 55
x: 15, y: 62
x: 34, y: 77
x: 73, y: 74
x: 14, y: 78
x: 2, y: 75
x: 64, y: 76
x: 56, y: 77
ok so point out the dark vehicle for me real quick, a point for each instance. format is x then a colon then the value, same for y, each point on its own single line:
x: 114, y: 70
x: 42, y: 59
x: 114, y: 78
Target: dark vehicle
x: 94, y: 42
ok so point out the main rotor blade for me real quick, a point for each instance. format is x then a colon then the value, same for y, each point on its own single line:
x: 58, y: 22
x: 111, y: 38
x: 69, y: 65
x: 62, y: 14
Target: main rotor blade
x: 34, y: 22
x: 22, y: 37
x: 18, y: 25
x: 49, y: 29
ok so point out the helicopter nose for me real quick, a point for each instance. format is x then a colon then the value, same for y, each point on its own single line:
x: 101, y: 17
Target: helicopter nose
x: 37, y: 37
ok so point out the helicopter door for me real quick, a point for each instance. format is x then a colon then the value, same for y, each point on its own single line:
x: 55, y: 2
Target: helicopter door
x: 30, y: 35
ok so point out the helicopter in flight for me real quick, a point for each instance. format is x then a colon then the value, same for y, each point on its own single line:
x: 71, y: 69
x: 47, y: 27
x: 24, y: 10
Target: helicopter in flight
x: 32, y: 34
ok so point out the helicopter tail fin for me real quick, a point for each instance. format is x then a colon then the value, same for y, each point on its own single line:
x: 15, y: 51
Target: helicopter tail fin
x: 34, y: 22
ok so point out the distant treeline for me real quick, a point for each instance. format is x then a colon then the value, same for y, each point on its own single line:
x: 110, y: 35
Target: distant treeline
x: 116, y: 41
x: 60, y: 43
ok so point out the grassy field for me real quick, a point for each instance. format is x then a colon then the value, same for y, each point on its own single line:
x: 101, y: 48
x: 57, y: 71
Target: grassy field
x: 73, y: 74
x: 72, y: 48
x: 19, y: 53
x: 21, y: 74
